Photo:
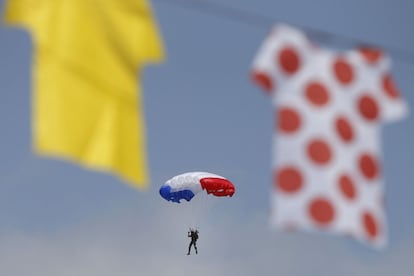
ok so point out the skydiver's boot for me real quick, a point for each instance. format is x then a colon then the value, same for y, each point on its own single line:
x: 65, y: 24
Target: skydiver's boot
x: 196, y: 250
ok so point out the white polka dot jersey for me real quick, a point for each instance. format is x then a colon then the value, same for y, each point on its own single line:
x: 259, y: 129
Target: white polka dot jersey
x: 329, y: 106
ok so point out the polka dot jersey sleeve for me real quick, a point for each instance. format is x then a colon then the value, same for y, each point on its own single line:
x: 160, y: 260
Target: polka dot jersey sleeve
x: 280, y: 56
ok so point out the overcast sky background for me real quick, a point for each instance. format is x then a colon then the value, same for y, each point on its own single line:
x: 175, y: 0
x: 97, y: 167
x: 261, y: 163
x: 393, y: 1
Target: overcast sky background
x: 202, y: 113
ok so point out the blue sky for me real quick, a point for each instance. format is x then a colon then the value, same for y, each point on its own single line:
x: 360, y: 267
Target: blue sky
x: 201, y: 113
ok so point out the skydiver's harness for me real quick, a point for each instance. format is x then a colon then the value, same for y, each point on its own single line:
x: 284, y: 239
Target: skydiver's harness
x: 193, y: 235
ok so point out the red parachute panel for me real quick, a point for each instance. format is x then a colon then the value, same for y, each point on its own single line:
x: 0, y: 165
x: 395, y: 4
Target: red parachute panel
x: 217, y: 186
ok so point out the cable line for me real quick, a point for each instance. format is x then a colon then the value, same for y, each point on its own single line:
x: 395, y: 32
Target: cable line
x: 254, y: 19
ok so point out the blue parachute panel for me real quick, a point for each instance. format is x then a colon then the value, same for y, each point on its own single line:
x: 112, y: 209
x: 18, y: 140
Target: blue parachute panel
x: 165, y: 192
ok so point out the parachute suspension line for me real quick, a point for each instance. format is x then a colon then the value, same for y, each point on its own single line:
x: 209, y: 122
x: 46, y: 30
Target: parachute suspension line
x: 205, y: 201
x: 199, y: 204
x: 205, y: 206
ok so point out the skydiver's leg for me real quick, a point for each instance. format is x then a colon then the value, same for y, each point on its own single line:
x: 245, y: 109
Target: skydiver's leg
x: 189, y: 248
x: 195, y: 246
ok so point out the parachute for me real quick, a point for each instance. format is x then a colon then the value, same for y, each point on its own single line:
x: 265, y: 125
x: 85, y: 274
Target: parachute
x: 187, y: 185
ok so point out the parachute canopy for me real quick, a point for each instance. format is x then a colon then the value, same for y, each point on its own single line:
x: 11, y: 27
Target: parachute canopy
x: 187, y: 185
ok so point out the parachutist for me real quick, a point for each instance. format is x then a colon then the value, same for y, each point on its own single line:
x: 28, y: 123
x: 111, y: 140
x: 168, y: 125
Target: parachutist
x: 193, y: 234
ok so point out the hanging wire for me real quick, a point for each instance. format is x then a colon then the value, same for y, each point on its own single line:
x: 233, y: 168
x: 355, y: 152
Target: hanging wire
x: 222, y: 11
x: 254, y: 19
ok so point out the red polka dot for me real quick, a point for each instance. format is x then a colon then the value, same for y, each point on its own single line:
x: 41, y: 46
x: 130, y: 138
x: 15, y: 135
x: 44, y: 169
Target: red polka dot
x: 317, y: 93
x: 343, y: 71
x: 347, y: 187
x: 368, y: 107
x: 289, y: 179
x: 369, y: 166
x: 390, y: 88
x: 289, y: 60
x: 321, y: 211
x: 288, y: 120
x: 371, y: 55
x: 319, y: 151
x: 344, y: 129
x: 263, y: 80
x: 370, y: 225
